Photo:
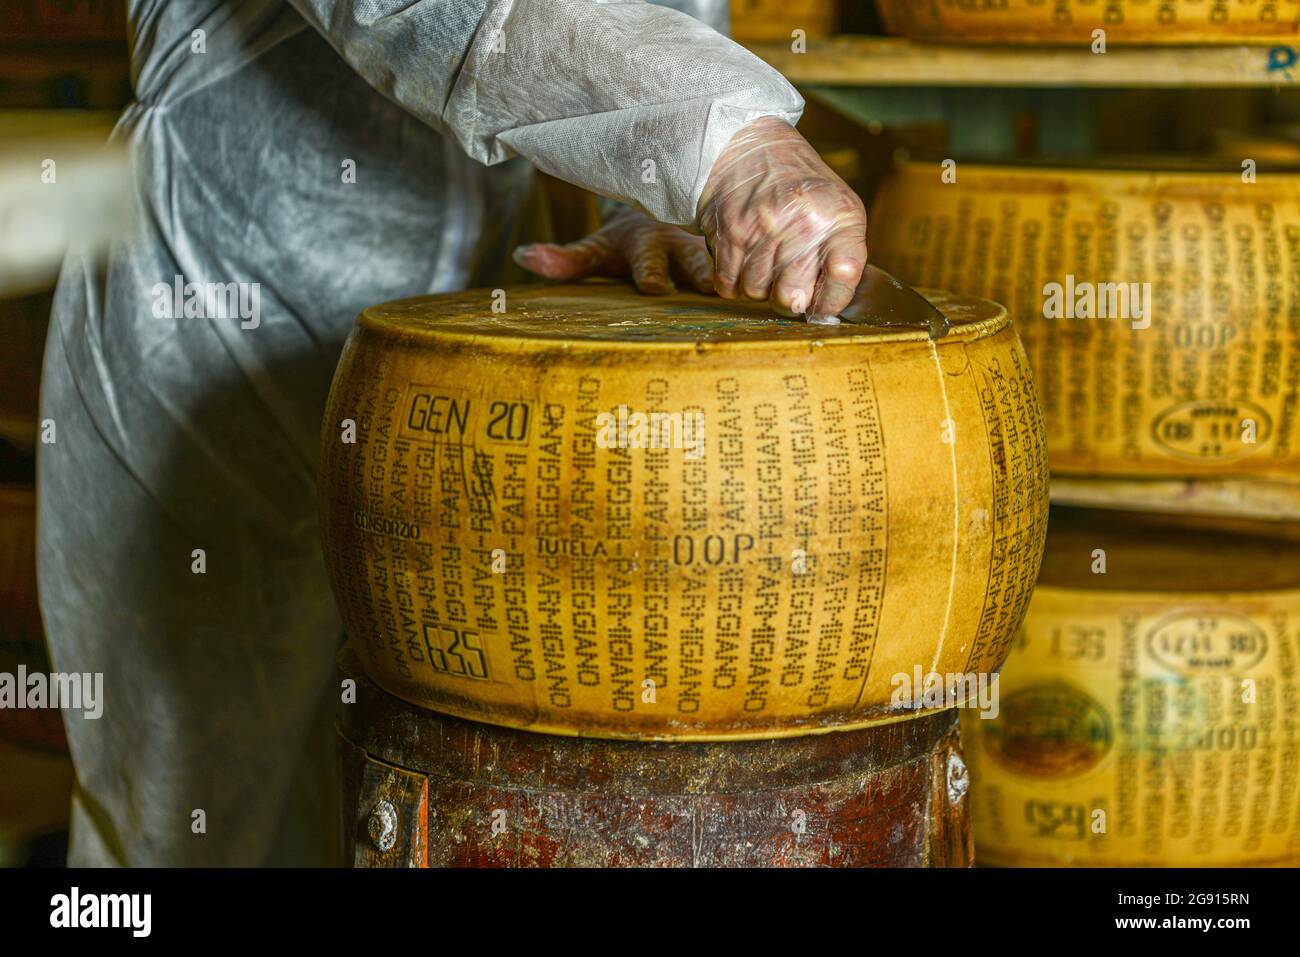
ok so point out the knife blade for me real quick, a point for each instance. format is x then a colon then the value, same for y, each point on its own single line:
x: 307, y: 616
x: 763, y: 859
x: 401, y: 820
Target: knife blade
x: 885, y: 302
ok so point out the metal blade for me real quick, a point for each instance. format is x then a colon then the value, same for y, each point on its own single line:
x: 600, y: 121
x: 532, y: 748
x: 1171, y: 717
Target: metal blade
x: 883, y: 301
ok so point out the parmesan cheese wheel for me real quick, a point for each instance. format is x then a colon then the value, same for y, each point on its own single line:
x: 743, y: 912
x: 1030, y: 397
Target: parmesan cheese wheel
x: 1156, y: 22
x: 1190, y: 364
x: 815, y: 509
x: 1150, y: 715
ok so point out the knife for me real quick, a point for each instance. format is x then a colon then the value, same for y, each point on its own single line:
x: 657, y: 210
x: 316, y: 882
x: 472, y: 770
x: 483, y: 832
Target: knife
x: 884, y: 302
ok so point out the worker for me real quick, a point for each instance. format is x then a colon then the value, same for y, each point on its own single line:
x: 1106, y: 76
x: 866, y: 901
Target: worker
x: 323, y: 156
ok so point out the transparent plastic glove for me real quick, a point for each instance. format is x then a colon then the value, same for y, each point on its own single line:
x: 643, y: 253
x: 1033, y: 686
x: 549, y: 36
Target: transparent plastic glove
x: 781, y: 225
x: 656, y: 256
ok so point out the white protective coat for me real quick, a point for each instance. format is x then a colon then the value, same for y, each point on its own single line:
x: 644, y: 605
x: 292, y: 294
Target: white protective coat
x: 179, y: 552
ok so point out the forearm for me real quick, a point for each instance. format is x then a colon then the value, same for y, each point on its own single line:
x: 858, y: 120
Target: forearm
x: 629, y: 100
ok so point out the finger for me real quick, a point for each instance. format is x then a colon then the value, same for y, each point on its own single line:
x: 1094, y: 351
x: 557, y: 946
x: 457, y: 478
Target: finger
x: 792, y: 292
x: 691, y: 259
x: 728, y: 260
x: 756, y: 278
x: 591, y: 256
x: 841, y: 272
x: 649, y: 261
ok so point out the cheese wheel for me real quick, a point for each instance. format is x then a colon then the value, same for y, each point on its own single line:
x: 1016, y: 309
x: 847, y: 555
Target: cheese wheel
x: 1155, y: 22
x: 602, y: 514
x: 1148, y: 716
x: 420, y: 789
x: 1195, y: 369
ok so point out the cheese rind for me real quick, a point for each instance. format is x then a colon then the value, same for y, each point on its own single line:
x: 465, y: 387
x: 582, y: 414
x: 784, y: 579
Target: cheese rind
x: 1157, y: 309
x: 1148, y: 715
x: 849, y: 505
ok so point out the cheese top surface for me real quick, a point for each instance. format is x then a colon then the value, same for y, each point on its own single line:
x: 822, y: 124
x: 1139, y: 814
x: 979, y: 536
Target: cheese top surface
x: 607, y: 314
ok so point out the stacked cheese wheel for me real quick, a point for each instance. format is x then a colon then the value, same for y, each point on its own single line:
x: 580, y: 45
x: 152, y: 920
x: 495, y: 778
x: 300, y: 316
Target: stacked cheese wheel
x: 579, y: 511
x: 1158, y: 309
x: 1148, y: 715
x: 1073, y: 21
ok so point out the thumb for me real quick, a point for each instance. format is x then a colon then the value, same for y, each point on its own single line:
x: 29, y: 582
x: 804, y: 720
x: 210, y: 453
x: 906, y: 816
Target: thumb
x: 570, y: 261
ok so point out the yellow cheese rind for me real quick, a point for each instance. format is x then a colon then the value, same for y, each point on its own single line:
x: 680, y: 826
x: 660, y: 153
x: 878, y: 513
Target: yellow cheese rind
x: 1211, y: 388
x: 1070, y: 22
x: 863, y: 504
x: 1156, y: 727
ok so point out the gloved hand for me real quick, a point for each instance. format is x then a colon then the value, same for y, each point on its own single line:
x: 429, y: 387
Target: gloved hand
x: 631, y: 243
x: 781, y: 225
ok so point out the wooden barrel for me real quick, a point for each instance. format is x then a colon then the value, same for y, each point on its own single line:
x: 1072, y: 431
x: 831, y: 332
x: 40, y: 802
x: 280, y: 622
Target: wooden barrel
x: 426, y: 790
x: 1158, y: 310
x: 1073, y: 22
x: 1150, y: 712
x: 811, y: 511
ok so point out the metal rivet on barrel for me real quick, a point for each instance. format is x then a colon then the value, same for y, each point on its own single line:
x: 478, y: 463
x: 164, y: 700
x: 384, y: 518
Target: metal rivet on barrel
x: 958, y: 778
x: 383, y: 826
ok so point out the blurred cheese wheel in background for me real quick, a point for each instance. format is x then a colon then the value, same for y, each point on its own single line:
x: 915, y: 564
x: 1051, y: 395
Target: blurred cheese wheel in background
x: 1203, y: 382
x: 1149, y: 716
x: 828, y: 507
x: 1154, y: 22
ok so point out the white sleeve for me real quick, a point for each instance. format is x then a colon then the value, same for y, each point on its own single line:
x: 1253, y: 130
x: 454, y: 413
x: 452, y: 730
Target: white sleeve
x: 629, y: 100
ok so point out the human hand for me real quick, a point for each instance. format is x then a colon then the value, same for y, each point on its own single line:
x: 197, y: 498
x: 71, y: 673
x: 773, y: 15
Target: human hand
x: 781, y: 225
x: 630, y: 244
